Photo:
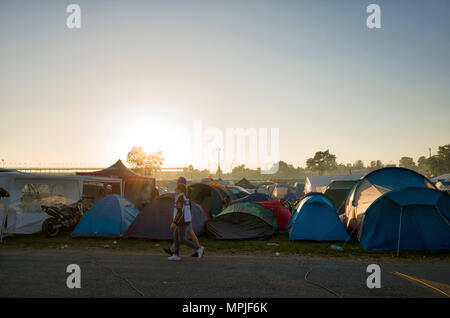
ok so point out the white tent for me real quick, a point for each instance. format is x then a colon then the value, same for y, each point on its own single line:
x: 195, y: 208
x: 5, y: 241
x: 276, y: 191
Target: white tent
x: 442, y: 177
x: 21, y: 213
x: 320, y: 183
x: 443, y: 186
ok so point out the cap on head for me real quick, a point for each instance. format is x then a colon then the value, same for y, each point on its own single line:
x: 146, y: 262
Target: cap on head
x: 182, y: 180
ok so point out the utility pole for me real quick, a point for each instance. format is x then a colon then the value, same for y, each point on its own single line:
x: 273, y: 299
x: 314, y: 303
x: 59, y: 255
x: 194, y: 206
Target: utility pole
x: 218, y: 158
x: 429, y: 150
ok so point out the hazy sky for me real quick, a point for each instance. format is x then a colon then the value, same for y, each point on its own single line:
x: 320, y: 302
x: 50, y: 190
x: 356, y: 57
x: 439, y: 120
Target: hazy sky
x: 141, y: 72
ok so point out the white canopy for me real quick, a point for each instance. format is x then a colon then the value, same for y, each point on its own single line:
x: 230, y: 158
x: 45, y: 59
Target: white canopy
x: 319, y: 183
x: 442, y: 177
x: 22, y: 213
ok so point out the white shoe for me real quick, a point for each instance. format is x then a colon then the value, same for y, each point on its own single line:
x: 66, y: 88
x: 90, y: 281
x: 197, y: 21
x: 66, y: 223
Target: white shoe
x: 174, y: 258
x: 200, y: 252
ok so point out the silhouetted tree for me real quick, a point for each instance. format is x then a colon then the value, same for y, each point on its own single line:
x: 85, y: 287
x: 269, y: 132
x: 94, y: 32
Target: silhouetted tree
x: 421, y: 162
x: 375, y: 164
x: 358, y: 165
x: 407, y: 162
x: 439, y: 163
x: 322, y: 161
x: 144, y: 163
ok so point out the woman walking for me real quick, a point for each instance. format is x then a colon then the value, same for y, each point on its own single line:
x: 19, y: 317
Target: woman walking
x: 181, y: 220
x: 190, y: 231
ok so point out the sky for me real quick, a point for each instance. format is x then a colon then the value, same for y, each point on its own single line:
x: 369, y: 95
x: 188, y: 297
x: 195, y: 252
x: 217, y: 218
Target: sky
x: 142, y: 72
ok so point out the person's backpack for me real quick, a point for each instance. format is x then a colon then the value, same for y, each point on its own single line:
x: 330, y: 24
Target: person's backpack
x: 179, y: 218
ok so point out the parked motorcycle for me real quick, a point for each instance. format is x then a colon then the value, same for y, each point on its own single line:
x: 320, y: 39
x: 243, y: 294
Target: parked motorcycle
x: 4, y: 193
x: 63, y: 218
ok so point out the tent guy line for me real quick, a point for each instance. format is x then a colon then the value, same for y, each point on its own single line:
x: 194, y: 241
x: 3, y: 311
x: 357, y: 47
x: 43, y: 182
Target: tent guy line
x: 421, y: 282
x: 316, y: 283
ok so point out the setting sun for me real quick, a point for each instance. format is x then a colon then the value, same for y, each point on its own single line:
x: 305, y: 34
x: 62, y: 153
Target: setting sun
x: 153, y: 134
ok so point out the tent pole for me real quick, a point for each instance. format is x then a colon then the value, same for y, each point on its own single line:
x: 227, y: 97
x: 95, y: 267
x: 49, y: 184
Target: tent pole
x: 3, y: 215
x: 349, y: 237
x: 437, y: 209
x: 399, y: 230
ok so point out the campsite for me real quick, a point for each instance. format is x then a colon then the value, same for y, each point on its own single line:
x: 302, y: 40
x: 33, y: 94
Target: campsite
x: 382, y: 195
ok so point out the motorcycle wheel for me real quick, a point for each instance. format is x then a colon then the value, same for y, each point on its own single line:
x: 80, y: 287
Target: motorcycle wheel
x: 49, y: 227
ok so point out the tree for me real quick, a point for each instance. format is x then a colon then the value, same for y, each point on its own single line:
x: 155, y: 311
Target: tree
x: 322, y: 161
x: 407, y: 162
x: 146, y: 164
x: 375, y: 165
x: 358, y: 165
x: 432, y: 166
x: 439, y: 163
x: 444, y: 159
x: 238, y: 172
x: 285, y: 171
x: 421, y: 163
x: 189, y: 171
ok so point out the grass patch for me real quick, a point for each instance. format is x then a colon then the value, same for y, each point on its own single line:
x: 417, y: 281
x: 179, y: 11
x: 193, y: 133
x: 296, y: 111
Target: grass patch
x: 245, y: 247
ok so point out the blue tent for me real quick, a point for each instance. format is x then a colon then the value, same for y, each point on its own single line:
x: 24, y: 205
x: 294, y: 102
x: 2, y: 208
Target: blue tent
x: 111, y: 216
x: 395, y: 178
x: 413, y: 218
x: 253, y: 197
x: 316, y: 219
x: 374, y: 185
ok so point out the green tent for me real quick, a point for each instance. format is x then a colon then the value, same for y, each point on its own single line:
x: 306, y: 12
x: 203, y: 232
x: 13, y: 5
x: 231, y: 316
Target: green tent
x: 337, y: 192
x: 246, y: 220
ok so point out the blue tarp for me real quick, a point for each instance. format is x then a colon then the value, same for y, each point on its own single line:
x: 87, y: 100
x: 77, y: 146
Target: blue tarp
x: 111, y: 216
x: 316, y: 218
x: 253, y: 197
x: 408, y: 219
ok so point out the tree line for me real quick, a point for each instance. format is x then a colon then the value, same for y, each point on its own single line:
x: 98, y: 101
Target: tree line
x: 322, y: 163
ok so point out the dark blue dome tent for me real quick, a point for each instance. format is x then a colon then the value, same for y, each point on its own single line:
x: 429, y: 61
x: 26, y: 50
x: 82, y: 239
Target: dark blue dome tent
x: 254, y: 197
x: 407, y: 219
x: 376, y: 229
x: 153, y: 222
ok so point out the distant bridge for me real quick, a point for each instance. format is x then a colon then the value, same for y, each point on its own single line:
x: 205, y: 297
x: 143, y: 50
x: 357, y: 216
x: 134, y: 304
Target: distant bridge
x: 73, y: 170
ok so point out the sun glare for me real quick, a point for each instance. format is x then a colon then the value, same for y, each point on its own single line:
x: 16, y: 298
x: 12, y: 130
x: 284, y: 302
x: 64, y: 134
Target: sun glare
x: 155, y: 134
